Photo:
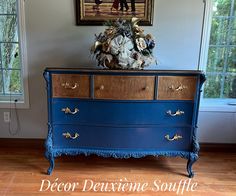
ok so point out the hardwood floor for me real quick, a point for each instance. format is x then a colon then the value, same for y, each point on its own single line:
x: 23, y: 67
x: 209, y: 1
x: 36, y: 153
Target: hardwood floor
x: 23, y: 170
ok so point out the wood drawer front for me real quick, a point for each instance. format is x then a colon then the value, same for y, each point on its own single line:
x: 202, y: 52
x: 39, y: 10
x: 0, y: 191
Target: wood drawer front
x: 122, y: 113
x: 70, y: 86
x: 124, y: 87
x: 176, y: 87
x: 145, y: 138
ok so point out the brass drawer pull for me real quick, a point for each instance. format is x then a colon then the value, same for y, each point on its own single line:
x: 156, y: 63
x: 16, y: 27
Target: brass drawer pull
x: 102, y: 87
x: 67, y: 135
x: 67, y: 85
x: 176, y: 137
x: 181, y: 87
x: 146, y: 88
x: 177, y: 113
x: 68, y: 111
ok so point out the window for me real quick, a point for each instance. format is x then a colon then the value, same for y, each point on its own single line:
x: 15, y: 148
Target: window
x: 221, y: 59
x: 12, y: 52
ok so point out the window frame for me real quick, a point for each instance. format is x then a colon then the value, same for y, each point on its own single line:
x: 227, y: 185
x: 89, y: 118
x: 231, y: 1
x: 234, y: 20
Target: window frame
x: 211, y: 104
x: 22, y: 101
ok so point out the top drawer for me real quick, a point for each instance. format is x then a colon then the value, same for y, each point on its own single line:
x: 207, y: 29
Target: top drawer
x: 70, y: 86
x: 124, y: 87
x: 177, y: 87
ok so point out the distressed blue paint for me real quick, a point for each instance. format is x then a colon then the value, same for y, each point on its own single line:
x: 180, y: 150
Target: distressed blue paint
x: 122, y: 129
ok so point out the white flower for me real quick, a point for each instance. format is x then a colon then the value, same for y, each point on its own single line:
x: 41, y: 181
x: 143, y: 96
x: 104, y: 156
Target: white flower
x: 141, y: 44
x: 119, y: 44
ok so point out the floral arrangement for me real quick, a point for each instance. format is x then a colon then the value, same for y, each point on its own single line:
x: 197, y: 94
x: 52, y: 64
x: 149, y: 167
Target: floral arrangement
x: 123, y: 45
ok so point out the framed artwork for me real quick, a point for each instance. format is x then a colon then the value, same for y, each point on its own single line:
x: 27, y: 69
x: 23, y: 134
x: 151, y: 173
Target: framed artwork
x: 96, y: 12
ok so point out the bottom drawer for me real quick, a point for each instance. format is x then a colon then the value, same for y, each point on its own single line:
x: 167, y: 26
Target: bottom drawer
x: 143, y: 138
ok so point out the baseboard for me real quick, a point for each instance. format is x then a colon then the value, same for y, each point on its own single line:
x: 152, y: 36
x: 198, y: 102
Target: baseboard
x: 22, y: 143
x: 39, y: 144
x: 218, y: 147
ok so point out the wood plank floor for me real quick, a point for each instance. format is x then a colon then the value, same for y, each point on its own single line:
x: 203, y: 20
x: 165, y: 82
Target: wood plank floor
x: 22, y: 171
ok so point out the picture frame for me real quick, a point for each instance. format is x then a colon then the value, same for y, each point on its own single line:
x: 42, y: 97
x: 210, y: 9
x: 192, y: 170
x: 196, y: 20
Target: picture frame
x: 96, y: 12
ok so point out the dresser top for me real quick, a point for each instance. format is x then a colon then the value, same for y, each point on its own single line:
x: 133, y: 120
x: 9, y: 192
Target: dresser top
x: 91, y: 70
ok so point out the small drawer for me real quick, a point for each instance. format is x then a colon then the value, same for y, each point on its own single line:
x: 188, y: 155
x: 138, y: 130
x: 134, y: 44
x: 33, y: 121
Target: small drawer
x: 99, y: 112
x: 124, y: 87
x: 176, y: 87
x: 145, y: 138
x: 70, y: 86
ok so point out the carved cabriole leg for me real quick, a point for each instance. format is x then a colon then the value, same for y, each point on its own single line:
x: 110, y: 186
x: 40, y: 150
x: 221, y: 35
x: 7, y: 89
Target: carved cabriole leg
x: 192, y: 159
x: 49, y: 150
x: 193, y: 156
x: 52, y: 164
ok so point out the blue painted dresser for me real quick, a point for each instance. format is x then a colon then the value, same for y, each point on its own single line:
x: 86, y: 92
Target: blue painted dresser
x: 123, y: 114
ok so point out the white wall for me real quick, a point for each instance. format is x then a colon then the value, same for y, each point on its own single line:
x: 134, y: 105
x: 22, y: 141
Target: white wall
x: 217, y: 127
x: 54, y: 40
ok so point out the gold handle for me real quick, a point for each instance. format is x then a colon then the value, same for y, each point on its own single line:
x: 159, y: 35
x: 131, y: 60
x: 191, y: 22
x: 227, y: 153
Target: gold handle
x: 68, y: 111
x: 179, y: 88
x: 176, y: 137
x: 146, y: 88
x: 67, y: 85
x: 177, y: 113
x: 67, y: 135
x: 102, y: 87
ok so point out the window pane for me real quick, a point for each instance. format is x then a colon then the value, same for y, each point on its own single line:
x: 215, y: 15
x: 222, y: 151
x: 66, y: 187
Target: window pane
x: 10, y: 56
x: 216, y: 57
x: 8, y: 29
x: 219, y: 30
x: 1, y: 83
x: 8, y: 6
x: 233, y: 33
x: 234, y: 8
x: 222, y: 7
x: 232, y: 60
x: 233, y: 37
x: 0, y: 56
x: 212, y: 86
x: 12, y: 81
x: 221, y: 64
x: 230, y: 87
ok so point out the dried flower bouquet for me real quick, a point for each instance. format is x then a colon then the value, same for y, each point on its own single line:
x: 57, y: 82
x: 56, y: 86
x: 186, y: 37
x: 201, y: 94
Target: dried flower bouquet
x: 123, y: 45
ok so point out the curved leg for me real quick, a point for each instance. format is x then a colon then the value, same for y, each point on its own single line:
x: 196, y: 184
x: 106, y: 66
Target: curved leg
x: 192, y: 159
x: 52, y: 164
x: 49, y: 150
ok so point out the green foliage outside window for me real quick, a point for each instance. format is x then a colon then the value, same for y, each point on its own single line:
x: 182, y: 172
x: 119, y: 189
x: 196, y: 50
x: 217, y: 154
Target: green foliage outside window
x: 221, y: 65
x: 10, y: 63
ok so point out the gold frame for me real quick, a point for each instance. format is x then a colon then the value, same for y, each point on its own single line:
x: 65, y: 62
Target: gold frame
x: 82, y: 19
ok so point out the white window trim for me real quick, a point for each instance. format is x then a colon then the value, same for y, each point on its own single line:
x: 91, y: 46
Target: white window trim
x: 211, y: 105
x: 218, y: 105
x: 22, y: 104
x: 206, y: 34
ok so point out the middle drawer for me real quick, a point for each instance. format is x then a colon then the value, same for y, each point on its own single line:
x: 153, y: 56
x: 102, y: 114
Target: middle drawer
x: 110, y: 112
x: 124, y: 87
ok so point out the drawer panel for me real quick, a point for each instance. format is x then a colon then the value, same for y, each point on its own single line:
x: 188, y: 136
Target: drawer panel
x: 124, y: 87
x: 110, y: 112
x: 122, y: 138
x: 70, y: 86
x: 176, y: 87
